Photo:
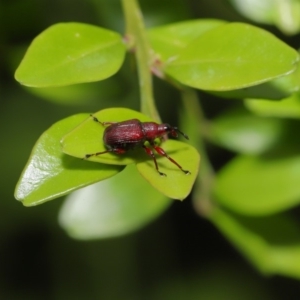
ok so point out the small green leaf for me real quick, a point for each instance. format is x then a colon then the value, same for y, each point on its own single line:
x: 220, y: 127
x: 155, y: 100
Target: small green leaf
x: 50, y: 174
x: 240, y: 131
x: 176, y: 184
x: 286, y: 108
x: 70, y: 53
x: 272, y: 244
x: 232, y: 56
x: 259, y: 185
x: 87, y: 138
x: 113, y: 207
x: 168, y: 40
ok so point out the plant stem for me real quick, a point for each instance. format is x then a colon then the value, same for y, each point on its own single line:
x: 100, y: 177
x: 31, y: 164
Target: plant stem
x: 135, y: 31
x: 193, y: 116
x: 193, y: 119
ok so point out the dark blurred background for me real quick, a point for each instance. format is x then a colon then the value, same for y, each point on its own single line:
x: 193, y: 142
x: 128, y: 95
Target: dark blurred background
x: 178, y: 256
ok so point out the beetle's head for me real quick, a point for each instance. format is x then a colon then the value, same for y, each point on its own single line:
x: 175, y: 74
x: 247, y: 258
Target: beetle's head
x: 174, y: 131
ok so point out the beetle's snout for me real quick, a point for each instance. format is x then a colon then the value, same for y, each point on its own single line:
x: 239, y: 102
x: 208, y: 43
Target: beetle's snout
x: 176, y: 130
x: 174, y: 133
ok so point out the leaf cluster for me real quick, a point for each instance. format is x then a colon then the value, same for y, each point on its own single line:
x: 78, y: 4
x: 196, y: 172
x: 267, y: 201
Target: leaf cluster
x: 247, y: 199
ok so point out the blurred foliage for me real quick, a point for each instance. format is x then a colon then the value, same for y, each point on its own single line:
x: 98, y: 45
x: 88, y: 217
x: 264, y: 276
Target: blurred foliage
x: 283, y: 14
x: 180, y: 255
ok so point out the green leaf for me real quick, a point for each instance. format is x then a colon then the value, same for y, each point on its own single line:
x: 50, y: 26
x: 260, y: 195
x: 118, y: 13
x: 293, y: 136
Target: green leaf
x: 272, y: 244
x: 259, y: 185
x: 286, y: 108
x: 289, y: 83
x: 113, y: 207
x: 289, y: 107
x: 176, y: 184
x: 87, y: 137
x: 240, y: 131
x: 50, y: 174
x: 276, y: 89
x: 70, y: 53
x: 168, y: 40
x: 232, y: 56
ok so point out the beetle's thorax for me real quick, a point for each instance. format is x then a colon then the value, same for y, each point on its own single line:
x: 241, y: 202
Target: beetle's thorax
x: 153, y: 130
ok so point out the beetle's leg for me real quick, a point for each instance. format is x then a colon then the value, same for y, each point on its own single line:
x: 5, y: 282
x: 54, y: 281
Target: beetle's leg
x: 150, y: 153
x: 102, y: 123
x: 162, y: 152
x: 115, y: 150
x: 97, y: 153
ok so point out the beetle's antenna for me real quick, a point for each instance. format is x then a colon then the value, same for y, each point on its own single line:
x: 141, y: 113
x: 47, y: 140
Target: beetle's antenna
x: 102, y: 123
x: 183, y: 134
x: 96, y: 120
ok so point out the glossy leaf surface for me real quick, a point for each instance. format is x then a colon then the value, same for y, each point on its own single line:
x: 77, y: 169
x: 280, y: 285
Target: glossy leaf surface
x: 176, y: 184
x: 168, y: 40
x: 69, y: 53
x: 49, y: 173
x: 231, y: 56
x: 112, y: 207
x: 257, y: 186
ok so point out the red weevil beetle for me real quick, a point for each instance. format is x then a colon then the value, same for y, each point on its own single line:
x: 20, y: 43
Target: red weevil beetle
x: 120, y: 137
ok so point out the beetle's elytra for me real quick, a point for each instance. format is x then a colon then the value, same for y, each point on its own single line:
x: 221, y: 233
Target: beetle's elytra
x: 120, y: 137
